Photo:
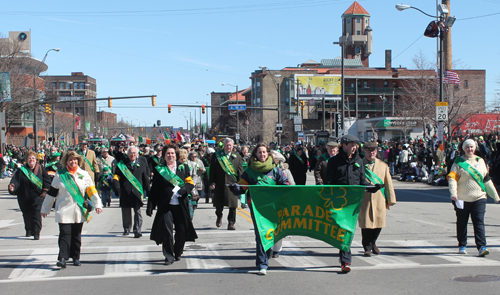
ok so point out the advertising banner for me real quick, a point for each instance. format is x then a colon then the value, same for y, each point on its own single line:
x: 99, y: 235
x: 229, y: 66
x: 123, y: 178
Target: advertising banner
x: 5, y: 91
x: 317, y: 87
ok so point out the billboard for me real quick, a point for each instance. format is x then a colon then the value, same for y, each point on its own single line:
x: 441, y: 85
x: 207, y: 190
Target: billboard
x: 319, y: 86
x: 479, y: 124
x: 5, y: 93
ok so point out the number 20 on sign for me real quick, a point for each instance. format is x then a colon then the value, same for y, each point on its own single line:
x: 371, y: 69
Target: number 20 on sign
x: 441, y: 111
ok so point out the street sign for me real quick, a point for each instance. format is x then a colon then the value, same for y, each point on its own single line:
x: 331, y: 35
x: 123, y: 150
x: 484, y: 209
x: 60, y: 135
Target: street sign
x: 279, y: 128
x: 236, y: 107
x: 297, y: 120
x: 298, y: 128
x: 441, y: 111
x: 237, y: 136
x: 440, y: 133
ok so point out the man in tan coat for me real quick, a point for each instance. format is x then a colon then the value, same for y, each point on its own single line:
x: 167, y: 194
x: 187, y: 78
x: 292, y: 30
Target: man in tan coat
x: 372, y: 213
x: 89, y: 162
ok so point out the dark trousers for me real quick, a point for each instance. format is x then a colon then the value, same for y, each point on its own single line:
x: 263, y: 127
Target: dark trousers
x: 231, y: 217
x: 476, y: 211
x: 173, y: 245
x: 261, y: 256
x: 369, y: 237
x: 70, y: 240
x: 345, y: 257
x: 31, y: 216
x: 127, y: 219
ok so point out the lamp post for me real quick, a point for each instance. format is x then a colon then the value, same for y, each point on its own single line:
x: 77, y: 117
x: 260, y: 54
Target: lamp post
x: 342, y: 92
x: 237, y: 112
x: 35, y: 77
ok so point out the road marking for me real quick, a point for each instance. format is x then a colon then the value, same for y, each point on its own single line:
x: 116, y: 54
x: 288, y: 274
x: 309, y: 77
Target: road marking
x: 243, y: 215
x: 294, y: 256
x: 41, y: 264
x: 244, y: 211
x: 121, y: 260
x: 209, y: 258
x: 7, y: 223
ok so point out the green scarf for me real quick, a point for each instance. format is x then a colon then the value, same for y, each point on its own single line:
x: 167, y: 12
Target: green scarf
x: 169, y: 175
x: 298, y: 157
x: 52, y: 164
x: 262, y: 167
x: 472, y: 171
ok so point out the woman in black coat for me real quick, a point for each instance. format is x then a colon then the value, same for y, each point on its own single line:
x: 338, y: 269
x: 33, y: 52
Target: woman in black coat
x: 30, y: 193
x: 171, y: 185
x: 298, y: 166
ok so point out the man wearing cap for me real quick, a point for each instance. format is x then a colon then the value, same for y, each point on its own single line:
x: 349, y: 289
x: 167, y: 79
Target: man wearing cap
x: 106, y: 160
x: 373, y: 208
x: 225, y: 168
x: 332, y: 149
x: 347, y: 168
x: 89, y: 162
x: 53, y: 165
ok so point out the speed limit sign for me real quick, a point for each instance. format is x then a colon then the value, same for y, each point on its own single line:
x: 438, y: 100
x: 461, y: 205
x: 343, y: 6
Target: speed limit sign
x: 441, y: 111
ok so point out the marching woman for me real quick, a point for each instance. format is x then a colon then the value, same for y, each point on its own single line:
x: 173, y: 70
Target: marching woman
x: 469, y: 183
x: 30, y: 183
x: 261, y: 171
x: 75, y: 196
x: 171, y: 185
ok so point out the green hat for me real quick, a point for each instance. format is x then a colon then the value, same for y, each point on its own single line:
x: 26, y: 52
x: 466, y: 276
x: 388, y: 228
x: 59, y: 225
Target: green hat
x: 105, y: 169
x: 55, y: 155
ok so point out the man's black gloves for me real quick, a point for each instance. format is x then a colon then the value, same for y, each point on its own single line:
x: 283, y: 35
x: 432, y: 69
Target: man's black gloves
x: 375, y: 188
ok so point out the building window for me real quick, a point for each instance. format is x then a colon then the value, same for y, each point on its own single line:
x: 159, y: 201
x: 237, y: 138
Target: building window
x: 54, y: 85
x: 386, y: 83
x: 359, y: 84
x: 358, y: 20
x: 82, y: 85
x: 466, y: 83
x: 286, y: 85
x: 348, y: 21
x: 358, y: 32
x: 365, y: 100
x: 365, y: 84
x: 457, y: 86
x: 68, y: 85
x: 357, y: 49
x: 287, y: 101
x: 366, y: 21
x: 258, y: 102
x: 61, y: 85
x: 258, y: 86
x: 77, y: 86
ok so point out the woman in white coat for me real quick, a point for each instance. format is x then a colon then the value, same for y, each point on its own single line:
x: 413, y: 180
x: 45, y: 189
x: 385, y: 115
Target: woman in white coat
x: 75, y: 196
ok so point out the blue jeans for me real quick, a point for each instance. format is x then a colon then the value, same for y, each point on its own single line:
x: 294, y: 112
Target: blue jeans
x: 106, y: 197
x: 391, y: 167
x: 476, y: 211
x: 262, y: 257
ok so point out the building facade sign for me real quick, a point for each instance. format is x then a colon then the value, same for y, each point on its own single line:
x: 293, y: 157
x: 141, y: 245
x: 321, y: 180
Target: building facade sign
x: 319, y: 86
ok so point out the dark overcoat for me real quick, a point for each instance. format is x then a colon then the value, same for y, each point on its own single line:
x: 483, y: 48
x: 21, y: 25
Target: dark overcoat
x: 222, y: 195
x: 130, y: 197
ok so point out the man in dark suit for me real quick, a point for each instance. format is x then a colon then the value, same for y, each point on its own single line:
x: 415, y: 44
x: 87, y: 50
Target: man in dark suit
x: 131, y: 183
x: 225, y: 168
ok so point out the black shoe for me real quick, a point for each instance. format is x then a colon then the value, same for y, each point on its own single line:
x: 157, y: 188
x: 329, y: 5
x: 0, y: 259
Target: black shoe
x: 77, y: 262
x: 231, y: 227
x: 137, y: 235
x: 218, y: 223
x: 177, y: 258
x: 36, y: 237
x: 368, y: 253
x: 28, y: 233
x: 276, y: 254
x: 61, y: 263
x: 126, y: 233
x: 167, y: 262
x: 376, y: 250
x: 207, y: 201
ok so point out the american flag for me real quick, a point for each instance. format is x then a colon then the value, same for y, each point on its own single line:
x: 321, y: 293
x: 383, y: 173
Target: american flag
x: 449, y: 78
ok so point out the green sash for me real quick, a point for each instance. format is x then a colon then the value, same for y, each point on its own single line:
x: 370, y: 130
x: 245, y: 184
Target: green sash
x: 170, y: 176
x: 472, y: 171
x: 88, y: 162
x: 52, y: 164
x: 259, y: 177
x: 131, y: 178
x: 156, y: 159
x: 326, y: 157
x: 373, y: 178
x: 226, y: 165
x: 104, y: 163
x: 106, y: 183
x: 297, y: 155
x: 31, y: 176
x: 74, y: 191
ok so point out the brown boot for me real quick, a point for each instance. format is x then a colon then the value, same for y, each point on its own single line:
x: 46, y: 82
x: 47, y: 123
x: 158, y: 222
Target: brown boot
x: 376, y: 251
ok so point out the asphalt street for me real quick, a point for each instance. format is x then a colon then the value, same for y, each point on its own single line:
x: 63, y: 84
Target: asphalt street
x: 418, y: 255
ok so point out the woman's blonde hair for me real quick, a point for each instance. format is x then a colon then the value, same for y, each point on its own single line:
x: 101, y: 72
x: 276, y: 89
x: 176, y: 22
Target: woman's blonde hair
x: 71, y: 154
x: 182, y: 154
x: 30, y: 153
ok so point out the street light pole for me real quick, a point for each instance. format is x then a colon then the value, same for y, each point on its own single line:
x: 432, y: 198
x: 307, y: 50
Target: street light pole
x: 35, y: 77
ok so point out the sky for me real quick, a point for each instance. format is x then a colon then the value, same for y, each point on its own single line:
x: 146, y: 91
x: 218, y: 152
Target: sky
x: 182, y: 51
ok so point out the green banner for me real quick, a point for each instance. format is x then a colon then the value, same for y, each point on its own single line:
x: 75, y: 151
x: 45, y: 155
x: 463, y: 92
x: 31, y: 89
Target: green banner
x: 328, y: 213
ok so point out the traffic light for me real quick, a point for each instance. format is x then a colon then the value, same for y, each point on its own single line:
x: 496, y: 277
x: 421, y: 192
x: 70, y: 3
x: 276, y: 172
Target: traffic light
x: 202, y: 108
x: 110, y: 103
x: 296, y: 107
x: 48, y: 110
x: 169, y: 109
x: 153, y: 100
x: 302, y: 104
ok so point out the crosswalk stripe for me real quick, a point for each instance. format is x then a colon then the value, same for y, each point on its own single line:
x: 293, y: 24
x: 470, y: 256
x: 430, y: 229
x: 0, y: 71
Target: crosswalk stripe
x: 295, y: 256
x: 426, y: 247
x: 209, y: 258
x: 126, y: 259
x: 41, y: 263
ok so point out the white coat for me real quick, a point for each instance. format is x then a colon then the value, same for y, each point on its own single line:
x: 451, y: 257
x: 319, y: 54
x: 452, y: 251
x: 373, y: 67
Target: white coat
x: 67, y: 210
